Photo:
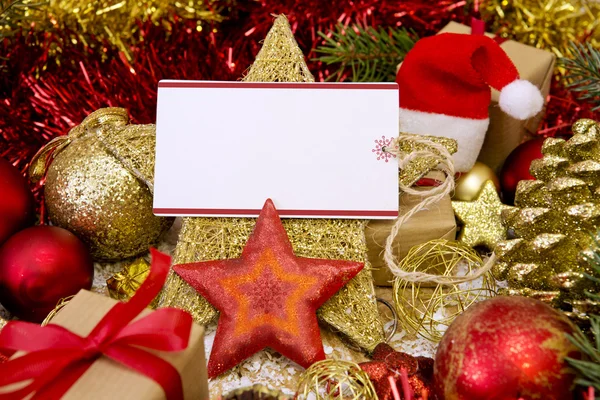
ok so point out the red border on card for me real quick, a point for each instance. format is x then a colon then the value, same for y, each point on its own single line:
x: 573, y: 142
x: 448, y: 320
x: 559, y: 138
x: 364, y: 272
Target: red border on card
x: 276, y: 85
x: 307, y: 213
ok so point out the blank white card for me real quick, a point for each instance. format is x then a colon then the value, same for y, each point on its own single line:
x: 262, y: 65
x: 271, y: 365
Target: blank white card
x: 223, y: 148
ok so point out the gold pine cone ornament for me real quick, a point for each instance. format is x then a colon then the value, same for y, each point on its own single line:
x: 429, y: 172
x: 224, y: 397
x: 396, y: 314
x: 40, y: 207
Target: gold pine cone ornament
x: 553, y: 224
x: 99, y: 184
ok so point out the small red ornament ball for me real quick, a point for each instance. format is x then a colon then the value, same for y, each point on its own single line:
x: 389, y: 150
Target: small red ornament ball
x: 38, y: 267
x: 516, y: 167
x: 506, y: 348
x: 16, y: 201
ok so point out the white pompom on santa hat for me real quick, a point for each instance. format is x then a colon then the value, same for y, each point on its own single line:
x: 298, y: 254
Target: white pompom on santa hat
x: 444, y: 85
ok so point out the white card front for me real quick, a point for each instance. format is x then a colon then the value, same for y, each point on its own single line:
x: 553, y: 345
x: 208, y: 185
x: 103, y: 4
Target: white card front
x: 223, y: 148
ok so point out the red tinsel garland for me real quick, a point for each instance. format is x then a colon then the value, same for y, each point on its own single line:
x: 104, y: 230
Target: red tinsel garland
x: 40, y: 99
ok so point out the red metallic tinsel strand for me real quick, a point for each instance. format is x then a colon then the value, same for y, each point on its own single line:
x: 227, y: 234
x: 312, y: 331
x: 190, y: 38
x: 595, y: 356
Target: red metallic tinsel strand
x: 406, y: 389
x: 394, y: 388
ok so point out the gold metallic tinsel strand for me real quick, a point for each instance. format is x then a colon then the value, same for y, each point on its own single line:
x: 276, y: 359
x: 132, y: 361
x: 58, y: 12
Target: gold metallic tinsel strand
x: 353, y: 310
x: 335, y: 379
x: 114, y: 20
x: 545, y: 24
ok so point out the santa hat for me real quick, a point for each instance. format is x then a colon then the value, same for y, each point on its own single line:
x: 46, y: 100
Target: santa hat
x: 445, y: 91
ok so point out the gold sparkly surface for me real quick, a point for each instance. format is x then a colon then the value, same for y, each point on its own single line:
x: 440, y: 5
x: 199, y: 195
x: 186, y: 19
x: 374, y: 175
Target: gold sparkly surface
x: 114, y: 21
x: 335, y: 379
x: 552, y: 226
x: 428, y: 308
x: 420, y: 166
x: 133, y: 146
x: 124, y: 284
x: 280, y: 59
x: 92, y: 194
x: 545, y: 24
x: 481, y: 218
x: 353, y: 310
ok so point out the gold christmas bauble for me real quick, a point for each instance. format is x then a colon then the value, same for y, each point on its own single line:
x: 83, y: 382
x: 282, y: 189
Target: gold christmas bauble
x: 91, y: 193
x: 469, y: 184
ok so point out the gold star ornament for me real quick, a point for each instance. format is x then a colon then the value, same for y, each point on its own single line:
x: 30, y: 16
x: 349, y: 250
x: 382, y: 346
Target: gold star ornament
x: 481, y: 218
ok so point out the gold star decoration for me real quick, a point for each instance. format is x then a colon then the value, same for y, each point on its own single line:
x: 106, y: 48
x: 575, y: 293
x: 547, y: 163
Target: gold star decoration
x: 481, y: 218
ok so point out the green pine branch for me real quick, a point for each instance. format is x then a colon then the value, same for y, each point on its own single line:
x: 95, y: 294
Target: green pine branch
x: 583, y: 72
x: 364, y: 54
x: 588, y: 368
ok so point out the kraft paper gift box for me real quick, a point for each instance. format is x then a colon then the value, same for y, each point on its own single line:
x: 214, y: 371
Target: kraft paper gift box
x: 506, y: 133
x: 436, y: 222
x: 106, y: 379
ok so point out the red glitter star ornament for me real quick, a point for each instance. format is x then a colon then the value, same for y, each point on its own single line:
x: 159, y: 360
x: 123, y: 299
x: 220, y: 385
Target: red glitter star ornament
x: 268, y: 297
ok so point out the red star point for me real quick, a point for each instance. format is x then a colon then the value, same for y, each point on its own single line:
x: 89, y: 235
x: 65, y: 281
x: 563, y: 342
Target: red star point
x: 268, y: 297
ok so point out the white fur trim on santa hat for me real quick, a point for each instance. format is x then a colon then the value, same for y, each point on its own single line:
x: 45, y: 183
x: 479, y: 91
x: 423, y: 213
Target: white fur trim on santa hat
x: 521, y: 99
x: 469, y: 133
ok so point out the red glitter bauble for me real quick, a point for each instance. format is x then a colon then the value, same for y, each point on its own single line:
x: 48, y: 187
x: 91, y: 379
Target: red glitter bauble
x: 38, y: 267
x: 516, y: 167
x: 16, y: 201
x: 506, y: 348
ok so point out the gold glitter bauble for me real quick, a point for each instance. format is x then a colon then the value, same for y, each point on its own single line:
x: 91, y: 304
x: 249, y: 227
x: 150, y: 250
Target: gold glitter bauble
x: 552, y: 228
x: 481, y: 218
x: 90, y: 192
x: 469, y: 184
x: 335, y: 379
x: 428, y: 308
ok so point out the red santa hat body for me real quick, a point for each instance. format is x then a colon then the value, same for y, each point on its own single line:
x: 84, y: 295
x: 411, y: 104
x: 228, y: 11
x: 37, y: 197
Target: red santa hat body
x: 445, y: 91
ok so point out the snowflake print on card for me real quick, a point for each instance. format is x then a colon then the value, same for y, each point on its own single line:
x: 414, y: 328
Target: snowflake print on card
x: 380, y: 149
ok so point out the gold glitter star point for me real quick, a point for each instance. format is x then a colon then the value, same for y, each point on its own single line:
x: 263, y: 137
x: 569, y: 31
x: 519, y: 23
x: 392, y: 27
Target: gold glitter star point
x: 481, y: 218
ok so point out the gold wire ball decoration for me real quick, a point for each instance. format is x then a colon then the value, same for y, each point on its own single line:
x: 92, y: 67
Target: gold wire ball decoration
x: 428, y: 308
x: 335, y: 379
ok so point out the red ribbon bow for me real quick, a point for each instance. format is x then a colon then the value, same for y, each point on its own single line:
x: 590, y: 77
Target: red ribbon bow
x: 56, y: 357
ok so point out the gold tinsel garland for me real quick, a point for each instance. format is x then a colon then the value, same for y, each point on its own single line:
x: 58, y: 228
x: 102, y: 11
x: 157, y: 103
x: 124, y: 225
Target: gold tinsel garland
x: 113, y: 20
x: 353, y: 310
x: 545, y: 24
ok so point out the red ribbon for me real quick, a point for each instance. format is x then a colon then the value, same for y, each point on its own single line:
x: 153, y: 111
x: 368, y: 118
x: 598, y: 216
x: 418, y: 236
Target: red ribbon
x: 56, y: 357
